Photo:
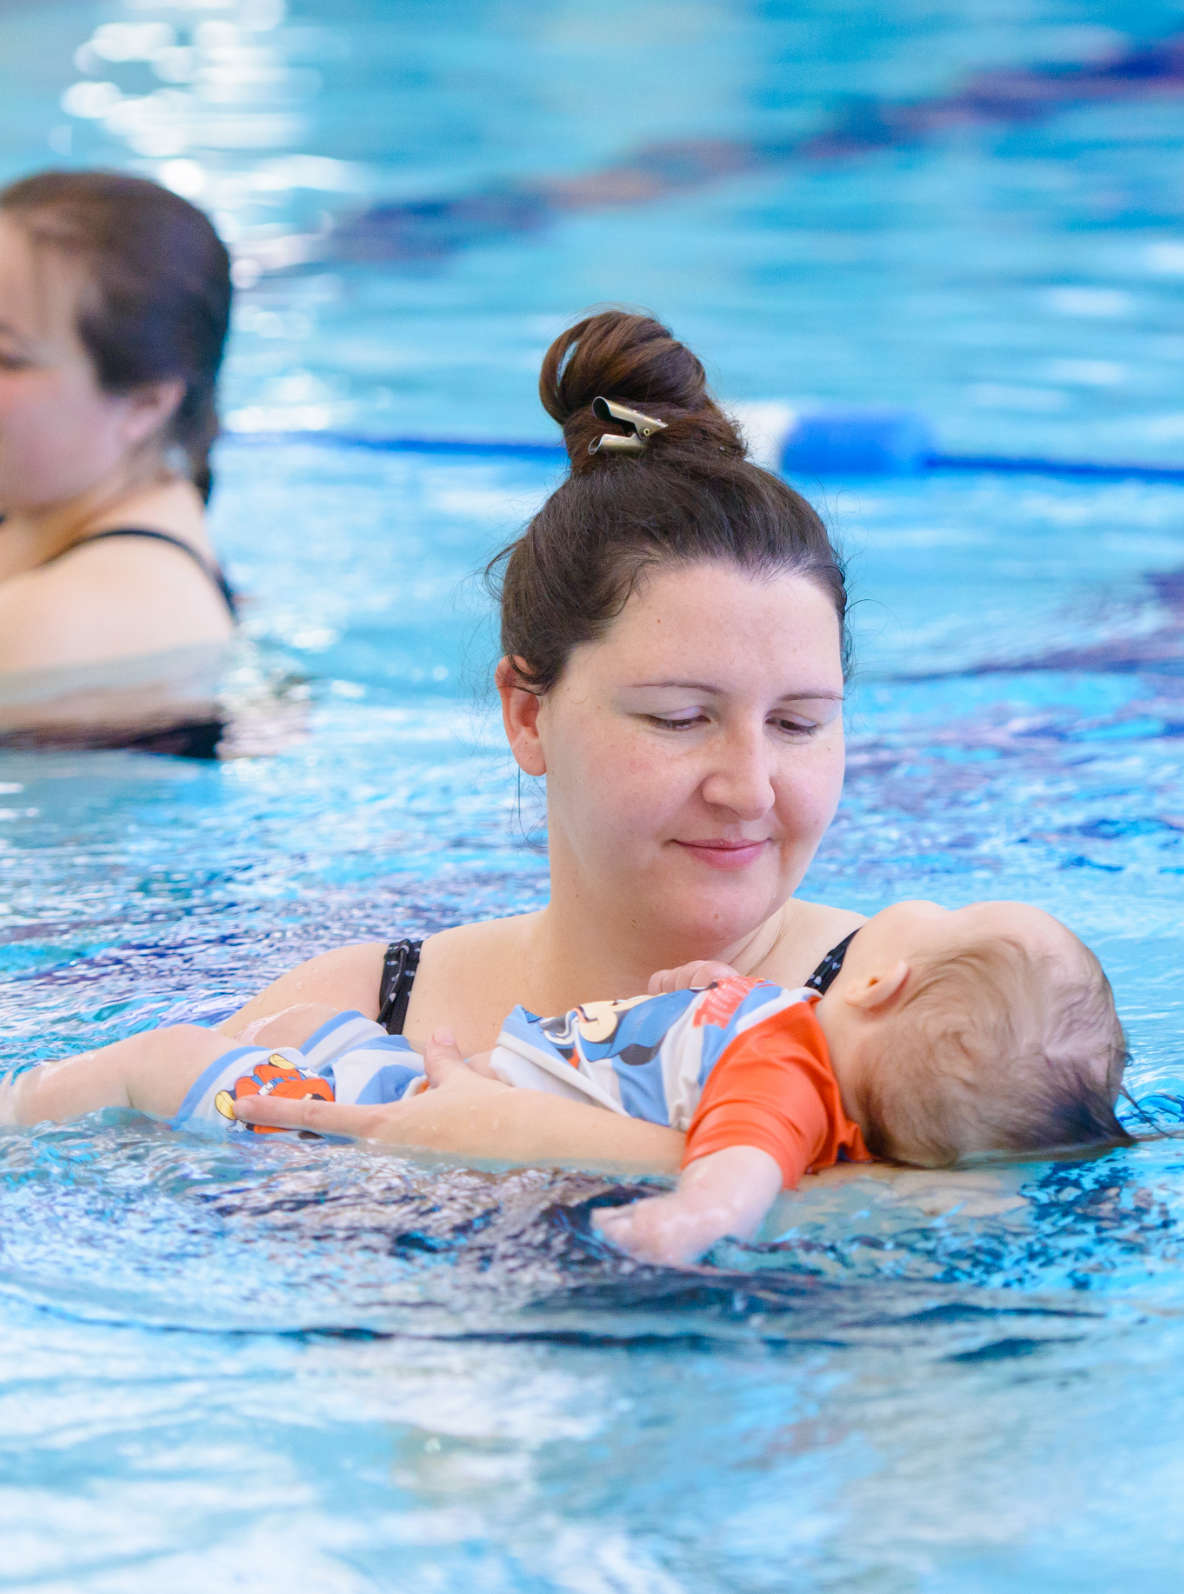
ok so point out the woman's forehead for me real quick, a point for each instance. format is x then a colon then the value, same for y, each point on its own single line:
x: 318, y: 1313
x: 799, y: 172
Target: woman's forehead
x: 684, y: 618
x: 39, y: 286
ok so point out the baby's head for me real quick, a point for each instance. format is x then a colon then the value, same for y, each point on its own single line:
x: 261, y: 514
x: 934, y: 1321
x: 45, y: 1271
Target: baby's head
x: 989, y: 1028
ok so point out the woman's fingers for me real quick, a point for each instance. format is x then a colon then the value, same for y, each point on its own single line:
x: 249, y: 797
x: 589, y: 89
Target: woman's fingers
x: 321, y: 1117
x: 439, y: 1118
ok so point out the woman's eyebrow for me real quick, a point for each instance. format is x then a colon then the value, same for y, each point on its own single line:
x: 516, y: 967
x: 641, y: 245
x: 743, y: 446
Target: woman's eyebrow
x: 804, y: 694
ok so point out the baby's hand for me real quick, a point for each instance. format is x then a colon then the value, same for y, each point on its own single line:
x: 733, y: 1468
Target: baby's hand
x: 658, y: 1229
x: 725, y: 1192
x: 690, y: 977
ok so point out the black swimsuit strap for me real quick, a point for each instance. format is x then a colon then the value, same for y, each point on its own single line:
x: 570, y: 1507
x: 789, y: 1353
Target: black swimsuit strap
x: 823, y: 976
x: 401, y: 962
x: 398, y: 976
x: 212, y: 571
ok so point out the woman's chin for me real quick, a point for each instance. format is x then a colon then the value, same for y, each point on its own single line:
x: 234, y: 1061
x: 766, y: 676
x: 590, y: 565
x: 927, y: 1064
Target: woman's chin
x: 710, y: 928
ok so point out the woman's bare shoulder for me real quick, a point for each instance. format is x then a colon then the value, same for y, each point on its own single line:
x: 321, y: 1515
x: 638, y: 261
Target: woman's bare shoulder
x: 487, y: 951
x: 809, y: 931
x: 468, y: 977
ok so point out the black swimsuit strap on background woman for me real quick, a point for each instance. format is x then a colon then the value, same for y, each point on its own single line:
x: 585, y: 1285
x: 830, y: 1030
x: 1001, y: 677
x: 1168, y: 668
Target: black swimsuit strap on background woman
x: 402, y: 960
x: 212, y: 571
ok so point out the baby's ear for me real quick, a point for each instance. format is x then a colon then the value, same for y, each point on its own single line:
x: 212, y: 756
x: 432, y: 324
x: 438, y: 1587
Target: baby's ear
x: 877, y: 989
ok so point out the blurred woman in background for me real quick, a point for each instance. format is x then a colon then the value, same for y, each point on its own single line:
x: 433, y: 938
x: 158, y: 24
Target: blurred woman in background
x: 114, y: 309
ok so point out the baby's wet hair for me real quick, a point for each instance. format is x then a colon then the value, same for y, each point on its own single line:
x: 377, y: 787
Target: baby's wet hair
x: 999, y: 1049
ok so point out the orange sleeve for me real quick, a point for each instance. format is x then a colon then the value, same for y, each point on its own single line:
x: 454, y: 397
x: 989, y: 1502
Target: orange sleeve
x: 774, y: 1088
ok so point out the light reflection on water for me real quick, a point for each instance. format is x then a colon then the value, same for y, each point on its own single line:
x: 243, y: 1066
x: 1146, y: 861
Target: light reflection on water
x: 432, y: 1376
x: 436, y: 1366
x: 330, y: 1369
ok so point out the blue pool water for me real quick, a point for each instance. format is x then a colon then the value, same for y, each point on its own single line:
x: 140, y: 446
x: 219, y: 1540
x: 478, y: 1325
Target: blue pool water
x: 335, y: 1370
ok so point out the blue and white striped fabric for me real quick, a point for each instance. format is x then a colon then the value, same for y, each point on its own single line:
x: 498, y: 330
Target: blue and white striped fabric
x: 644, y: 1057
x: 349, y: 1058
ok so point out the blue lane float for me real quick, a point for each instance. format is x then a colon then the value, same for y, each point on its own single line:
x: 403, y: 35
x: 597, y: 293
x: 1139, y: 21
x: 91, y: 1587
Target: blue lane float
x: 823, y: 442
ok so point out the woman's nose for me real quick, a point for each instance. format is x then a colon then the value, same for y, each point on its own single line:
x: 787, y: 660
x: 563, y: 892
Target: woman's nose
x: 741, y: 776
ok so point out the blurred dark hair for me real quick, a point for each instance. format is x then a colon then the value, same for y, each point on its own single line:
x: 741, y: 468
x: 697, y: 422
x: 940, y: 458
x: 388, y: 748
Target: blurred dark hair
x: 157, y: 300
x: 692, y: 495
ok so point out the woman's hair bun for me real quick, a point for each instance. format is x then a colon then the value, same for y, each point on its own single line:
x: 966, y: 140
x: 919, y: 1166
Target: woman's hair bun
x: 633, y: 360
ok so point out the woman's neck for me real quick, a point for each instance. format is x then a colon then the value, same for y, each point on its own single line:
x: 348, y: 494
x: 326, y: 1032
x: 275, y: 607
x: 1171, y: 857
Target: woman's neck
x: 579, y: 957
x: 33, y: 537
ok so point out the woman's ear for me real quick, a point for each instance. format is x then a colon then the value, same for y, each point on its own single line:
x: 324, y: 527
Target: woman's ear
x: 520, y: 716
x: 150, y: 409
x: 877, y: 989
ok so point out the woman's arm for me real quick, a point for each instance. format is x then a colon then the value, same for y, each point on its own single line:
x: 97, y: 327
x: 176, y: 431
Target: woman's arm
x: 346, y: 978
x: 468, y: 1116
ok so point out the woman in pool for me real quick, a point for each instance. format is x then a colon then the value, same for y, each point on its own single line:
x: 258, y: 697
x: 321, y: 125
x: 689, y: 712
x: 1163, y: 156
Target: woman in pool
x: 114, y: 307
x: 673, y: 630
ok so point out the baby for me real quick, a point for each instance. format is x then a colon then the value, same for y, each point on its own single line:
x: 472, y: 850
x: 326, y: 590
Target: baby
x: 940, y: 1035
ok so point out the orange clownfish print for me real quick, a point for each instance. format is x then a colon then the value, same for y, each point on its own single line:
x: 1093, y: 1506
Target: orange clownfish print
x: 276, y: 1077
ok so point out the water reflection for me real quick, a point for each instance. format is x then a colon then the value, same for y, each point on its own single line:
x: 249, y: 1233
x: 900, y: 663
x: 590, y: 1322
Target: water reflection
x: 207, y: 701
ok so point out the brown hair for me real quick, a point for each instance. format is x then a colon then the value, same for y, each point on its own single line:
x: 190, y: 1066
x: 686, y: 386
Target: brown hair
x: 1000, y: 1051
x: 157, y: 300
x: 691, y: 495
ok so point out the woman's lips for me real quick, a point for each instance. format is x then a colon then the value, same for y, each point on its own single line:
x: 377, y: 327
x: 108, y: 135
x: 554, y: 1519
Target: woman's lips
x: 724, y: 854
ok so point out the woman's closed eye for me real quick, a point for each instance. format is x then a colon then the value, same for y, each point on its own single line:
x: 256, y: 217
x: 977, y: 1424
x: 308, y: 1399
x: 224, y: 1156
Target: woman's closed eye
x: 792, y: 727
x: 675, y: 722
x: 781, y: 724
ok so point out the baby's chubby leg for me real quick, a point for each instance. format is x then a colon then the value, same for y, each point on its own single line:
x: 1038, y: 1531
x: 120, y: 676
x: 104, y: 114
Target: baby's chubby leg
x: 151, y: 1072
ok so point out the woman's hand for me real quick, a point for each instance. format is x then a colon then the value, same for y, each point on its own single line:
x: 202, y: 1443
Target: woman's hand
x: 466, y: 1115
x: 454, y: 1113
x: 690, y: 977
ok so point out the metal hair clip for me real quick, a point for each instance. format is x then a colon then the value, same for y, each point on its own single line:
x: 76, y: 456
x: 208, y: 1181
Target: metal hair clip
x: 644, y: 426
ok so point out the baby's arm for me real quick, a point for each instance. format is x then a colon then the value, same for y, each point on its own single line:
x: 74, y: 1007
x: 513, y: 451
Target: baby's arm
x: 769, y: 1111
x: 150, y: 1072
x: 725, y: 1192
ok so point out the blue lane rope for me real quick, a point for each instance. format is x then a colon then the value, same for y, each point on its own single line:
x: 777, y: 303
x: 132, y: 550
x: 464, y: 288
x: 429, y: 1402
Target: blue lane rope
x: 823, y: 443
x: 1098, y: 470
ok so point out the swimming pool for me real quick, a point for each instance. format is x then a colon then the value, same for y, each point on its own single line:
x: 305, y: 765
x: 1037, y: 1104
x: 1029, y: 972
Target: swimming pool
x: 336, y: 1370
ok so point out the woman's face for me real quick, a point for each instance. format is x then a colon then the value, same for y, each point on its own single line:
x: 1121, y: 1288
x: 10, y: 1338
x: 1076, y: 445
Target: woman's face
x: 60, y: 434
x: 694, y: 754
